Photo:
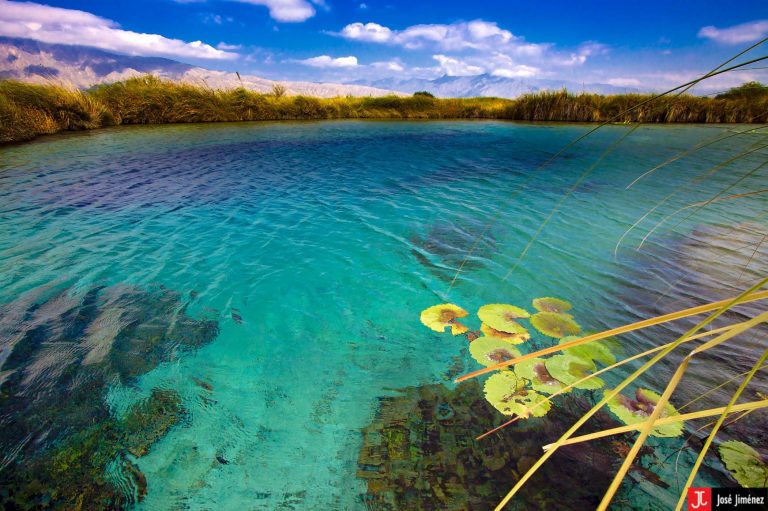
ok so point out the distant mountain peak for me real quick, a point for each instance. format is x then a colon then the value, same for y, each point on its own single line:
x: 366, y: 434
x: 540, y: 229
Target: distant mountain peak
x: 489, y: 85
x: 83, y: 66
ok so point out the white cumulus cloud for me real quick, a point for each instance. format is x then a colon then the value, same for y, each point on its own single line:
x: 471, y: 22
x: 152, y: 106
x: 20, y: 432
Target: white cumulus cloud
x: 69, y: 26
x: 520, y: 71
x: 472, y: 48
x: 328, y: 61
x: 369, y: 32
x: 476, y: 34
x: 389, y: 65
x: 287, y: 10
x: 455, y: 67
x: 737, y: 34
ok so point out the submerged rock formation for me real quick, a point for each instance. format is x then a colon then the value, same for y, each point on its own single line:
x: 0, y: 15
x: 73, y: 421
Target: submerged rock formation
x: 62, y: 447
x: 445, y: 248
x: 420, y: 453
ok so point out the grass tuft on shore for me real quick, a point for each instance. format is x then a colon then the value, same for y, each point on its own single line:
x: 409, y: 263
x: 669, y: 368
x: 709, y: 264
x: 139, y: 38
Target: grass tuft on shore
x: 28, y: 110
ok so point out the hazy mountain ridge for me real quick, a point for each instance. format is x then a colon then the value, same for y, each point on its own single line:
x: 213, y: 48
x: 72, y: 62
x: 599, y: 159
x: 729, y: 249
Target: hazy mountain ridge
x: 34, y: 61
x: 488, y: 85
x: 81, y: 66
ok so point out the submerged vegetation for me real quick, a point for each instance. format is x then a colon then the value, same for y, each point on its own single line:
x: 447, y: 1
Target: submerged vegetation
x: 27, y: 110
x: 419, y: 453
x: 63, y: 446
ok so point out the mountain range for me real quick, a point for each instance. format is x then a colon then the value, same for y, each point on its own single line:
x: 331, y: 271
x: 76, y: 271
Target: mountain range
x: 490, y: 86
x: 81, y: 66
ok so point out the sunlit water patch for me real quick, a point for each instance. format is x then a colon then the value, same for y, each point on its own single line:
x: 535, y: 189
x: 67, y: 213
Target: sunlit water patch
x: 308, y: 250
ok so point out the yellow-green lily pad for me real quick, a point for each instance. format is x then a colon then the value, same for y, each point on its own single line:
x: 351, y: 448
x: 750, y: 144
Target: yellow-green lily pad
x: 745, y: 464
x: 518, y: 337
x: 502, y: 316
x: 507, y: 393
x: 554, y: 324
x: 634, y: 411
x: 535, y: 371
x: 595, y: 351
x: 440, y: 317
x: 549, y: 304
x: 490, y: 351
x: 458, y: 328
x: 570, y: 369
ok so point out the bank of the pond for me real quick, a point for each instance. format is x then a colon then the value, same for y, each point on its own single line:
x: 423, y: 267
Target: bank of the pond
x: 28, y: 111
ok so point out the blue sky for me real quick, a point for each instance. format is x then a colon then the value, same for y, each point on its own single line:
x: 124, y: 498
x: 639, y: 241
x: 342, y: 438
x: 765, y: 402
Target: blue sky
x: 646, y: 45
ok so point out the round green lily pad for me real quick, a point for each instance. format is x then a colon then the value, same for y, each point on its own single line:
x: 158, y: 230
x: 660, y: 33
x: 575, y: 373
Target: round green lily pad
x: 554, y: 324
x: 745, y: 464
x: 595, y: 351
x: 518, y: 337
x: 440, y: 317
x: 634, y: 411
x: 490, y: 351
x: 569, y: 369
x: 535, y: 371
x: 549, y: 304
x: 501, y: 316
x: 508, y: 394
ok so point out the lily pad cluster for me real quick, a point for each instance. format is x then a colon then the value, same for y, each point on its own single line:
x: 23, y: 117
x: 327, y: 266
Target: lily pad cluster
x: 521, y: 389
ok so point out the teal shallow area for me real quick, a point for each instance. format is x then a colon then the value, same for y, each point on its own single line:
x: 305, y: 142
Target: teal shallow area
x: 316, y: 245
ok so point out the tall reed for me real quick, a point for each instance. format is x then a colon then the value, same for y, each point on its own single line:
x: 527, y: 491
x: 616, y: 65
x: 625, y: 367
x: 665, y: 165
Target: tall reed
x: 27, y: 110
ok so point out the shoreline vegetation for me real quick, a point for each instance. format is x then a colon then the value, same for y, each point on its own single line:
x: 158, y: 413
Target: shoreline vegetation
x: 29, y: 110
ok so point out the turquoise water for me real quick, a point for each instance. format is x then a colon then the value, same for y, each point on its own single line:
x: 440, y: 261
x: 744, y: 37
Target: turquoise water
x: 316, y: 245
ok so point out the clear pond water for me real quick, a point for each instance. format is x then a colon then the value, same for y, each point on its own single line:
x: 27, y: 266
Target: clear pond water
x: 316, y: 245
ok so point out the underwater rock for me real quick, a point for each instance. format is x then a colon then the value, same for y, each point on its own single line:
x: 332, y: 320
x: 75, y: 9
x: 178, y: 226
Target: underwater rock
x: 446, y: 245
x: 61, y: 353
x: 420, y: 453
x: 150, y: 420
x: 89, y: 469
x: 203, y: 384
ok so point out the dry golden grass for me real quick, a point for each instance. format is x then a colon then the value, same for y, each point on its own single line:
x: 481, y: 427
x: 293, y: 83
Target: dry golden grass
x: 27, y: 110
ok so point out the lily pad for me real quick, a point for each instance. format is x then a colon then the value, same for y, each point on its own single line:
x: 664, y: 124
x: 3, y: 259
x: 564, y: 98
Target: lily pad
x: 535, y: 371
x: 554, y: 324
x: 507, y: 393
x: 549, y: 304
x: 570, y: 369
x: 440, y: 317
x: 518, y: 337
x: 595, y: 351
x: 502, y: 316
x: 458, y: 328
x: 490, y: 351
x: 634, y: 411
x: 745, y: 464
